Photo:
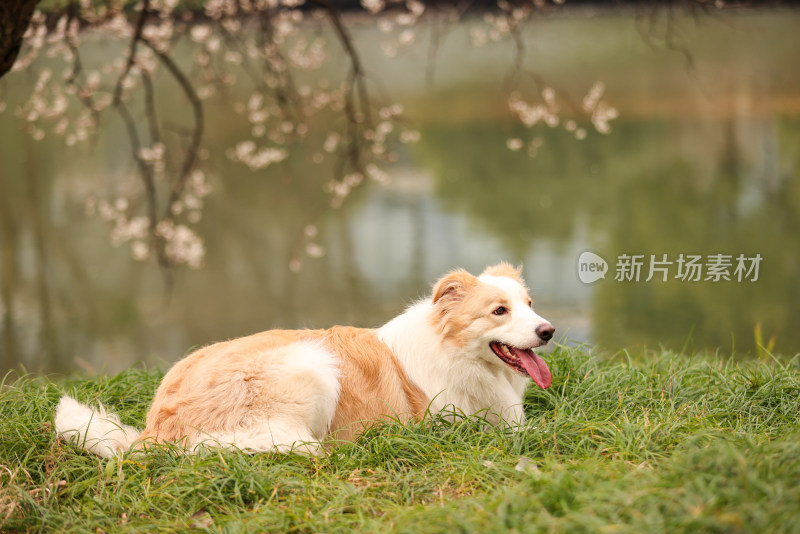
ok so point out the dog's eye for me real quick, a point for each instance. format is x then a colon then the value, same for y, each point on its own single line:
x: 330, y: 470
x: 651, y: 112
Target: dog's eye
x: 530, y: 304
x: 500, y: 311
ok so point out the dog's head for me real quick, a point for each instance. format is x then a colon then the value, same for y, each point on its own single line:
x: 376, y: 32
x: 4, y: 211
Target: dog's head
x: 490, y: 317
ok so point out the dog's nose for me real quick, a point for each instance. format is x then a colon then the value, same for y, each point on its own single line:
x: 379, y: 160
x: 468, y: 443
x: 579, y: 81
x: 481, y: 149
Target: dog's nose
x: 545, y: 331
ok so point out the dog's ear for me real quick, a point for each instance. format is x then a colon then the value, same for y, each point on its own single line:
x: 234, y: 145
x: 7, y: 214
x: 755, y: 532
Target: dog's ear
x: 453, y: 286
x: 507, y: 270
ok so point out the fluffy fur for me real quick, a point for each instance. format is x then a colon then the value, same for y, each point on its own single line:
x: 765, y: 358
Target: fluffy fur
x: 469, y: 345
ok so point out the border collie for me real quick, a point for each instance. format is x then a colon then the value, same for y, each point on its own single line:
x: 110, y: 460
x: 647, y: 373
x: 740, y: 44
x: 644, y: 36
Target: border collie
x: 469, y: 347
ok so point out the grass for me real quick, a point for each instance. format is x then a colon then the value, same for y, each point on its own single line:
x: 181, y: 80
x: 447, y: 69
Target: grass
x: 663, y: 443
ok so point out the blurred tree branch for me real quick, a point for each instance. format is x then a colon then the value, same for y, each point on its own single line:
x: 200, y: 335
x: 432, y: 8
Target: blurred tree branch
x: 270, y: 46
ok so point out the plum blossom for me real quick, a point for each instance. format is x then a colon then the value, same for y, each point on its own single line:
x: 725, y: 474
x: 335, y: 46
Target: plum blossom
x: 183, y: 245
x: 256, y: 158
x: 601, y: 112
x: 373, y: 6
x: 547, y: 112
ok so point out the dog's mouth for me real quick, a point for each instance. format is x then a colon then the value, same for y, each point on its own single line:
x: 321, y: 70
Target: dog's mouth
x: 524, y: 361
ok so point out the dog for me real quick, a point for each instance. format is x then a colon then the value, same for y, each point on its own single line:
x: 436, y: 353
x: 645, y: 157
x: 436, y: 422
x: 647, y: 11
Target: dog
x: 468, y: 347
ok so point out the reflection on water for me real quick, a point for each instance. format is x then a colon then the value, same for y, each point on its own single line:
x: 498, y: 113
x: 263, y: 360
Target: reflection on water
x: 680, y: 173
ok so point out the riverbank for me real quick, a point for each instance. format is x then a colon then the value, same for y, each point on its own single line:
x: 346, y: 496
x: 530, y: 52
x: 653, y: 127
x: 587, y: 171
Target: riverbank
x: 663, y: 442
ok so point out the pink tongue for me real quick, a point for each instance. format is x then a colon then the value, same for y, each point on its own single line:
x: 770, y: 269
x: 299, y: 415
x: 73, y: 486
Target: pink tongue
x: 535, y: 366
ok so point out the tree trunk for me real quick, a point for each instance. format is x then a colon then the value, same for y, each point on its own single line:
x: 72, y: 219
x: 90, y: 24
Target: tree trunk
x: 15, y: 15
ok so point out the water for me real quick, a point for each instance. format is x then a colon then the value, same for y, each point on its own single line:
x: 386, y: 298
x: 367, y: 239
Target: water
x: 703, y: 160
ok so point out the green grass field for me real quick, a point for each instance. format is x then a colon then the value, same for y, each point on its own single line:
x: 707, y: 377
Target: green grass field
x: 660, y: 443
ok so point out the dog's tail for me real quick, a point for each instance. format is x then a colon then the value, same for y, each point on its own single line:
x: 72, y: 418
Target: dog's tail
x: 94, y: 430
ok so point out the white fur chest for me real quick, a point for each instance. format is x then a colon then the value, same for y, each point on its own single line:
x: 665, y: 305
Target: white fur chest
x: 445, y: 375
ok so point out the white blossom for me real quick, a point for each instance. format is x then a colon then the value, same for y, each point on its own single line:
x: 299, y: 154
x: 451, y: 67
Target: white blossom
x: 373, y: 6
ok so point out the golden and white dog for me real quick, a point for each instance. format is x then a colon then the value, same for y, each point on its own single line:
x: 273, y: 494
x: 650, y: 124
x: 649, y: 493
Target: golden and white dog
x: 468, y: 346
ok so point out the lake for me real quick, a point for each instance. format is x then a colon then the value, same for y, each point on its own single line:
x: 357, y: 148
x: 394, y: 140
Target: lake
x: 696, y: 187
